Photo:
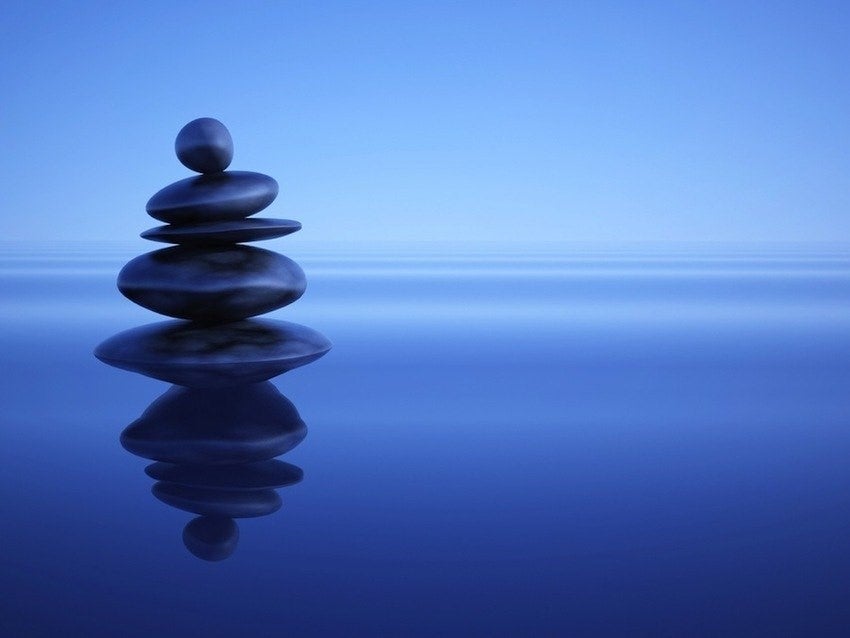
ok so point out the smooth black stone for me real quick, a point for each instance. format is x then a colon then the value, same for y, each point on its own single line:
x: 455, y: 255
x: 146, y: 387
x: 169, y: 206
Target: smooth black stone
x: 220, y: 233
x: 211, y: 538
x: 204, y: 145
x: 226, y: 503
x: 222, y: 426
x: 200, y: 356
x: 214, y: 197
x: 212, y: 285
x: 262, y: 475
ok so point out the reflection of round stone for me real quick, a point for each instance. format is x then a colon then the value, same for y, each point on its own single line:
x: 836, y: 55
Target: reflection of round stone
x: 214, y: 197
x: 211, y: 537
x: 213, y: 356
x: 204, y: 145
x: 221, y: 426
x: 220, y: 233
x: 212, y: 285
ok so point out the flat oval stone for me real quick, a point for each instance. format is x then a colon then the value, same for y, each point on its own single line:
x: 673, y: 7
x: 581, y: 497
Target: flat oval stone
x: 223, y: 503
x: 224, y: 426
x: 204, y: 145
x: 261, y: 475
x: 221, y: 233
x: 214, y: 197
x: 211, y: 538
x: 200, y: 356
x: 212, y: 285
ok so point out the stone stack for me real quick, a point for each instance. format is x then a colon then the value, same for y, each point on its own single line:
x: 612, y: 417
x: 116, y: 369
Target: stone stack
x: 208, y: 277
x: 210, y: 280
x: 215, y: 434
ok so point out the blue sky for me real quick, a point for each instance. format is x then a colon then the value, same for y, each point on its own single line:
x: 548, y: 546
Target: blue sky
x: 521, y: 121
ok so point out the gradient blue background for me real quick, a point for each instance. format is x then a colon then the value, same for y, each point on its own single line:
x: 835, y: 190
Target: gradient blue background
x: 513, y: 435
x: 587, y: 121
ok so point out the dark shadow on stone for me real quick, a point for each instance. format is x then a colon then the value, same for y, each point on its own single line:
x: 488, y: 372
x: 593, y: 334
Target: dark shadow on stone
x: 201, y: 356
x: 213, y: 197
x: 215, y: 284
x: 222, y: 233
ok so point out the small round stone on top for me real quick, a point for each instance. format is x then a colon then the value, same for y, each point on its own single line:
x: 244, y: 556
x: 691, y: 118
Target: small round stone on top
x: 204, y: 145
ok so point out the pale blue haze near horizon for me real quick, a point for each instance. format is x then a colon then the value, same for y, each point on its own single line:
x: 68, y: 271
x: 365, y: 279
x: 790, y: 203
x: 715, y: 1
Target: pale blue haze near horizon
x: 593, y: 121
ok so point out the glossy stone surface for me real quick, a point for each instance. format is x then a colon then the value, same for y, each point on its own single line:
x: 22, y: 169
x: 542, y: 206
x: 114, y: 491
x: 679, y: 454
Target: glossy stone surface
x: 225, y: 503
x: 211, y: 538
x: 213, y: 197
x: 216, y: 356
x: 250, y: 476
x: 204, y: 145
x: 212, y: 285
x: 224, y: 426
x: 220, y: 233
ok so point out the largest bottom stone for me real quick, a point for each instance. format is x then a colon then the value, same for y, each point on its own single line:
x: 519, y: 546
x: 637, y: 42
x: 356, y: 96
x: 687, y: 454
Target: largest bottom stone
x: 212, y: 285
x: 223, y: 355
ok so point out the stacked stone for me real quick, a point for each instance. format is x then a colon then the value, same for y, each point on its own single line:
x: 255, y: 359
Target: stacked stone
x: 210, y: 280
x: 215, y: 434
x: 209, y: 277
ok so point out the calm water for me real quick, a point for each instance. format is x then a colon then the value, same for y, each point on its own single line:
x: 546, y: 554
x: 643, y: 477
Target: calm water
x: 539, y: 443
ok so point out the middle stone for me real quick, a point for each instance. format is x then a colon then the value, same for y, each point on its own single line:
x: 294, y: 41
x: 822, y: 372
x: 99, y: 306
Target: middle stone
x: 213, y: 285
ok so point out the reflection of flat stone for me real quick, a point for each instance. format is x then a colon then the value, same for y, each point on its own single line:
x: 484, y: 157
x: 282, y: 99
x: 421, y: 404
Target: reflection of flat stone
x: 200, y: 356
x: 213, y: 197
x: 219, y: 233
x: 250, y: 476
x: 231, y: 504
x: 222, y: 426
x: 212, y: 284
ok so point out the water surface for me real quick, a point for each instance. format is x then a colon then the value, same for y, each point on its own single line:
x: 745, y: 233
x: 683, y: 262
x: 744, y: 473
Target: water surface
x: 531, y: 442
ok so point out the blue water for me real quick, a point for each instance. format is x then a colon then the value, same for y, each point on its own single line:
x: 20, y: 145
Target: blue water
x: 535, y: 442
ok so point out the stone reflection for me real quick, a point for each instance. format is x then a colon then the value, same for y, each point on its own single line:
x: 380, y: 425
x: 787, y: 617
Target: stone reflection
x: 215, y: 455
x: 216, y: 433
x: 224, y: 426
